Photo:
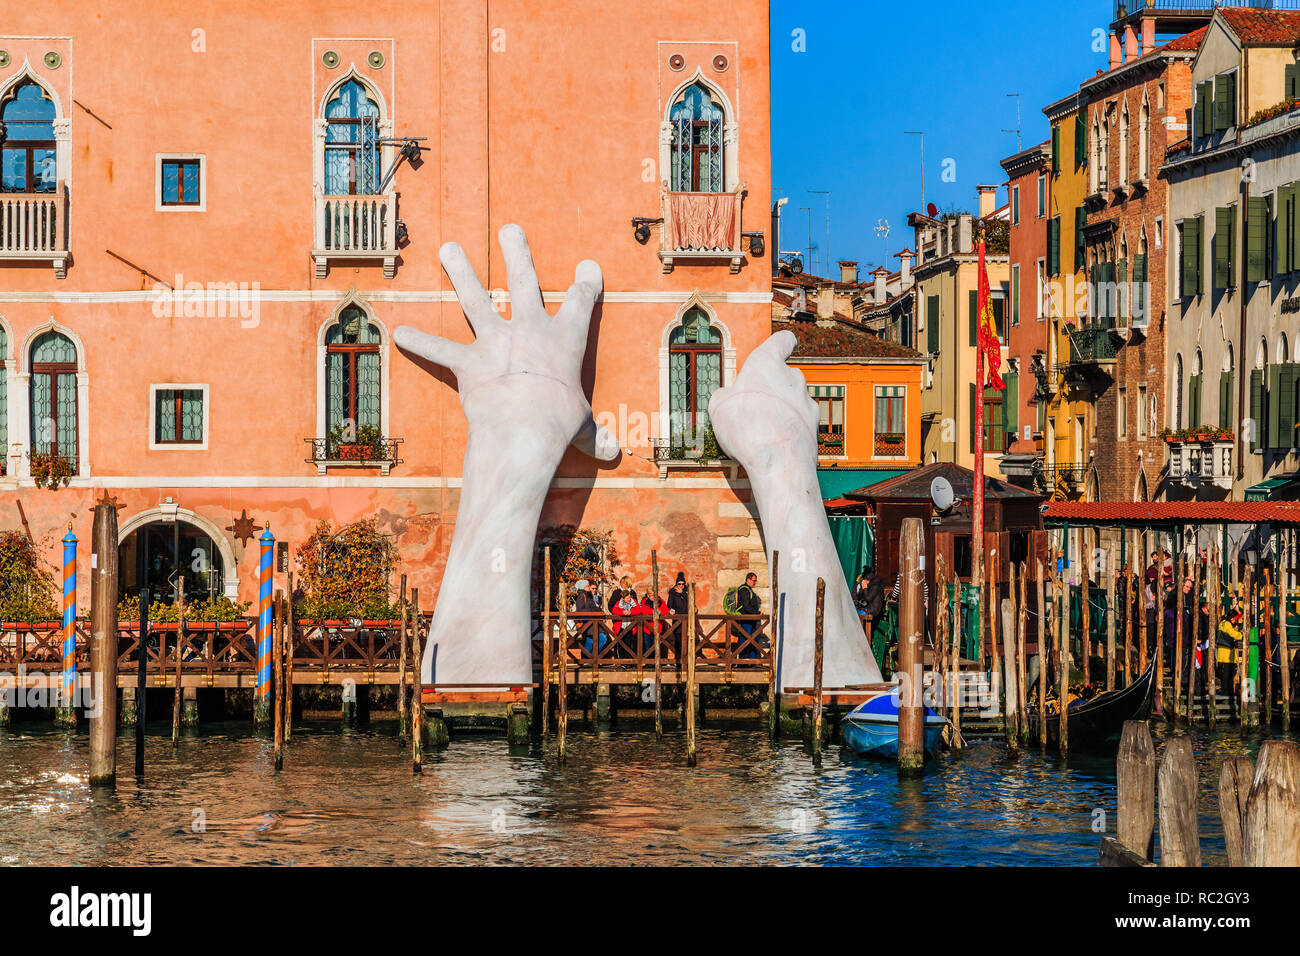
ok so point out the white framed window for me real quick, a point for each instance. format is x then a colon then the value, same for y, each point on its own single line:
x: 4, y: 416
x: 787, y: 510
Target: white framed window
x: 1041, y: 291
x: 1042, y: 196
x: 1160, y: 232
x: 1015, y: 205
x: 1015, y: 294
x: 178, y: 416
x: 1121, y: 418
x: 180, y: 182
x: 1142, y: 411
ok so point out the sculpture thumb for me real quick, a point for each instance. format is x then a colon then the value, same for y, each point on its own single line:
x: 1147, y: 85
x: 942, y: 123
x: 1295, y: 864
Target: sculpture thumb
x: 597, y: 442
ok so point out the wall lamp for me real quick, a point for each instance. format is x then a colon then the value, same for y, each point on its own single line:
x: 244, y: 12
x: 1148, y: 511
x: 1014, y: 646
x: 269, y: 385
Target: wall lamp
x: 756, y: 245
x: 641, y: 228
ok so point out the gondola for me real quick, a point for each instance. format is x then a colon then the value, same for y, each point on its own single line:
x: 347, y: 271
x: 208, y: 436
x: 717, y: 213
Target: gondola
x: 1095, y: 725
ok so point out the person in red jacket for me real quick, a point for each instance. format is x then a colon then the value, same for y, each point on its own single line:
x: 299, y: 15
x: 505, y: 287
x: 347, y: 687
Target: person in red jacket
x: 645, y: 611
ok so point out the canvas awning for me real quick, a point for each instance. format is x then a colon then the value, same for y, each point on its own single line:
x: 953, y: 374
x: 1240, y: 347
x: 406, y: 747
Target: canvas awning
x: 1271, y: 490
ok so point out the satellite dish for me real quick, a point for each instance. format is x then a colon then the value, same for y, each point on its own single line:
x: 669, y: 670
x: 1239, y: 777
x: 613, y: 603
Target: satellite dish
x: 941, y: 494
x: 932, y: 211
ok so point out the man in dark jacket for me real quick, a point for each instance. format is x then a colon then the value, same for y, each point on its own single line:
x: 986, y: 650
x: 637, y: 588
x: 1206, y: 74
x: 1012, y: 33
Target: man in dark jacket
x: 748, y: 603
x: 677, y: 595
x: 869, y: 599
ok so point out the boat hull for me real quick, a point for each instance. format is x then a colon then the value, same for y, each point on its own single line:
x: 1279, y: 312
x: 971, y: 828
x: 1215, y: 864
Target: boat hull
x: 871, y: 728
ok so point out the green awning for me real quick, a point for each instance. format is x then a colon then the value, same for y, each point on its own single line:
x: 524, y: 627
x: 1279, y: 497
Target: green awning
x: 837, y: 482
x: 1265, y: 490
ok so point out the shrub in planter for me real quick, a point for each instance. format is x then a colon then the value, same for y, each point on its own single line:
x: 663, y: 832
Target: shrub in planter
x: 27, y: 587
x: 345, y: 574
x: 50, y: 471
x: 363, y: 444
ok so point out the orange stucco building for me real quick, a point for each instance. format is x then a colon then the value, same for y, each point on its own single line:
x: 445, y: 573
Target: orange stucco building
x: 207, y: 239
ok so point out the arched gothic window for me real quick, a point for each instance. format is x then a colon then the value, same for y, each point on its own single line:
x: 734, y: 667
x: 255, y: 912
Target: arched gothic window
x: 352, y: 151
x: 696, y: 156
x: 694, y: 374
x: 54, y: 397
x: 28, y: 154
x: 352, y: 379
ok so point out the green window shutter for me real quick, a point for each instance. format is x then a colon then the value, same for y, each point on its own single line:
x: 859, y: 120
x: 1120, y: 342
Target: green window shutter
x: 1282, y: 231
x: 1121, y: 295
x: 1011, y: 406
x: 1257, y: 409
x: 1274, y: 406
x: 1257, y: 239
x: 1080, y: 220
x: 972, y: 417
x: 1290, y: 93
x: 1232, y: 100
x: 1015, y: 296
x: 1223, y: 221
x: 1292, y: 259
x: 1138, y: 302
x: 1199, y: 255
x: 974, y: 306
x: 1225, y: 400
x: 1054, y: 247
x: 1221, y: 103
x: 1204, y: 97
x: 1056, y: 150
x: 1080, y: 140
x: 1289, y: 376
x: 1108, y: 281
x: 1194, y: 401
x: 932, y: 323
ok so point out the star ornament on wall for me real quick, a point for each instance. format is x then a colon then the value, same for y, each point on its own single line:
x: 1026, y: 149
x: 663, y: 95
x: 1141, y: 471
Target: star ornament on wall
x: 111, y: 500
x: 244, y: 529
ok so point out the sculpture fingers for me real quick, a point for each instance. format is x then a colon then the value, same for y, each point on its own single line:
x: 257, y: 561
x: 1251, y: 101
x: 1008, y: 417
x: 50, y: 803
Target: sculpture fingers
x: 597, y: 441
x: 579, y: 302
x: 434, y: 348
x: 474, y: 300
x: 521, y: 276
x: 771, y: 354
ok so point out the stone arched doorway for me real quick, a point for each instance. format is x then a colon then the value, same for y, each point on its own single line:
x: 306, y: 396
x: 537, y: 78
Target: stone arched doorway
x: 157, y: 548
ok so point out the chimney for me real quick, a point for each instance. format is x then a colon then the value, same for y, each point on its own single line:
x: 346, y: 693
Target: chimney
x: 905, y: 269
x: 1115, y: 56
x: 1148, y: 35
x: 826, y: 302
x: 1130, y: 43
x: 965, y: 235
x: 848, y: 270
x: 988, y: 200
x: 881, y: 274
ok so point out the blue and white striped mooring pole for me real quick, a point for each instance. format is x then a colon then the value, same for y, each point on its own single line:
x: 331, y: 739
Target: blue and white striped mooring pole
x: 262, y: 698
x: 66, y: 713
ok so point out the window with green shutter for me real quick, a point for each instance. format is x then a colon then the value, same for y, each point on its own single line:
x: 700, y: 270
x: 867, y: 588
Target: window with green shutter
x: 1015, y: 295
x: 1257, y: 220
x: 974, y: 307
x: 971, y: 415
x: 1203, y: 96
x: 1140, y: 297
x: 1011, y: 407
x: 1257, y: 409
x: 1283, y: 225
x: 1293, y: 228
x: 1056, y: 150
x: 1121, y: 294
x: 1225, y: 400
x: 1224, y: 239
x: 1291, y: 84
x: 1274, y: 404
x: 1080, y: 220
x: 1225, y: 101
x: 1194, y: 401
x: 1080, y: 139
x: 932, y: 323
x: 1054, y: 247
x: 1289, y: 380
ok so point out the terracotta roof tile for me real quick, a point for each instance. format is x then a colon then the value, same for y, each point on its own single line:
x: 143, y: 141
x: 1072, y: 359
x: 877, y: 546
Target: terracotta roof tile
x: 1263, y: 26
x: 1190, y: 41
x: 840, y: 338
x: 1159, y: 512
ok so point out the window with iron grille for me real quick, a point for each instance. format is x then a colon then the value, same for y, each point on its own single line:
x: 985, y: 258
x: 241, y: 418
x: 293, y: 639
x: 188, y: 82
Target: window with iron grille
x: 830, y: 419
x: 696, y: 155
x: 694, y: 374
x: 352, y: 150
x: 178, y: 416
x: 352, y: 379
x: 28, y: 154
x: 54, y: 397
x: 181, y: 182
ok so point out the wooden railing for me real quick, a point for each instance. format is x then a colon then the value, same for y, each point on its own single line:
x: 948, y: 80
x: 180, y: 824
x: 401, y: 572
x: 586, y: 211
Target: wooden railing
x: 611, y: 642
x: 34, y: 226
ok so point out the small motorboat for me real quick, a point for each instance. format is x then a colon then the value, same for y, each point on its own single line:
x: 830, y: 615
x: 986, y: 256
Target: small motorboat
x: 871, y: 728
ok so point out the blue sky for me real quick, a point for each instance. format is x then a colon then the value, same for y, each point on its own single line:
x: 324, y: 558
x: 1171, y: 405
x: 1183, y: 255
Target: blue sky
x: 872, y: 70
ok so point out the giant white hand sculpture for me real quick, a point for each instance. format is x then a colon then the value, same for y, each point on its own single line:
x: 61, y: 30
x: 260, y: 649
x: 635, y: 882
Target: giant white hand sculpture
x: 520, y: 388
x: 768, y: 422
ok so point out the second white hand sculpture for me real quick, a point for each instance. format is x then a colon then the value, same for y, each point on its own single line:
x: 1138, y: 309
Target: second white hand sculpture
x: 520, y: 387
x: 767, y: 421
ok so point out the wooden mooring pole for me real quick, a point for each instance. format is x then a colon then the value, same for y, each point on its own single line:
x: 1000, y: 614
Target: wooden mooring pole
x: 417, y: 695
x: 277, y: 662
x: 1135, y: 771
x: 1022, y: 637
x: 1215, y: 596
x: 953, y: 601
x: 290, y: 639
x: 818, y: 621
x: 656, y: 636
x: 1173, y: 708
x: 1158, y: 639
x: 1110, y: 619
x: 562, y: 690
x: 1180, y: 840
x: 773, y: 693
x: 180, y: 642
x: 103, y: 647
x: 1271, y: 825
x: 401, y: 666
x: 1043, y: 658
x: 1284, y: 648
x: 140, y: 684
x: 1012, y: 686
x: 1243, y: 666
x: 688, y: 652
x: 1063, y: 667
x: 1234, y: 788
x: 911, y: 631
x: 1266, y: 651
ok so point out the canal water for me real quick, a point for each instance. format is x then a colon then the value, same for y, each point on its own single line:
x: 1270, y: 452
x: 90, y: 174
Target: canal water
x: 347, y: 796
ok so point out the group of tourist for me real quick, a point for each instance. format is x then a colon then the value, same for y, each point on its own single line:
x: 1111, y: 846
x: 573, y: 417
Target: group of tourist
x: 634, y: 615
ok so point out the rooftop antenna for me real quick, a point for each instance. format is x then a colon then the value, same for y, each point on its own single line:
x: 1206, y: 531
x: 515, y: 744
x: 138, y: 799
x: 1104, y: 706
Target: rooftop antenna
x: 1017, y: 129
x: 912, y: 132
x: 826, y: 252
x: 882, y: 230
x: 811, y: 264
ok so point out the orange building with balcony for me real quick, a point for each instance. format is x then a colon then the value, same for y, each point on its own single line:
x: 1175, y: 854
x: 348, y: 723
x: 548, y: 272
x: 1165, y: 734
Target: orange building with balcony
x: 211, y: 223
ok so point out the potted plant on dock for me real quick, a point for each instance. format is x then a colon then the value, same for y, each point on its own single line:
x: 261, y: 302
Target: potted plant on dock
x: 27, y: 587
x: 344, y: 575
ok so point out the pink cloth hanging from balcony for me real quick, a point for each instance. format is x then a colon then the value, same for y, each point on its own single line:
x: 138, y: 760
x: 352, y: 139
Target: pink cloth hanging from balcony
x: 703, y: 221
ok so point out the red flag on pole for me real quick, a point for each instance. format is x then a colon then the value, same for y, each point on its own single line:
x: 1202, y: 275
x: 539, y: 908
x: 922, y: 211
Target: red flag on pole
x: 987, y: 335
